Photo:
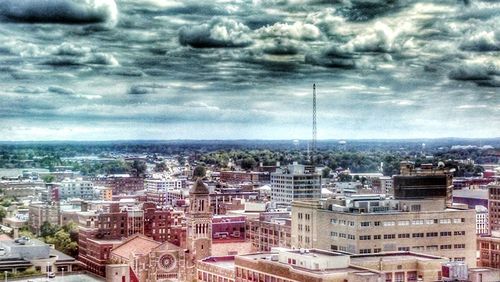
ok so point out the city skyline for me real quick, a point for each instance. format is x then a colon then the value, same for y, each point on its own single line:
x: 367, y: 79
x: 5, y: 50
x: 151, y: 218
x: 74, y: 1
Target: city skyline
x: 168, y: 70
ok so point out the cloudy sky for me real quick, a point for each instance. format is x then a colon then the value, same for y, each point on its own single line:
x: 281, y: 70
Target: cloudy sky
x: 161, y: 69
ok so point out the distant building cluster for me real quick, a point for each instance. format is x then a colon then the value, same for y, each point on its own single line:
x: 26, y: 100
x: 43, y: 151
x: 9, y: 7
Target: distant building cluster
x: 274, y: 224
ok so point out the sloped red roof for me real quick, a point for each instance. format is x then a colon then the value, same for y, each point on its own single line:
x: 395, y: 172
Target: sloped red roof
x: 135, y: 244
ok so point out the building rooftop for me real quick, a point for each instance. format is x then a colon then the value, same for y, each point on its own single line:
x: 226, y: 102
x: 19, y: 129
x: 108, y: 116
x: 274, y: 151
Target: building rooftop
x: 471, y: 193
x: 199, y: 188
x: 136, y: 244
x: 102, y: 242
x: 391, y: 257
x: 226, y: 262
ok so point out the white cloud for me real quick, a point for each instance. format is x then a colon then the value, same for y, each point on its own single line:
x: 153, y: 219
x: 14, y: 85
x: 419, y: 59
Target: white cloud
x: 217, y: 33
x: 297, y: 30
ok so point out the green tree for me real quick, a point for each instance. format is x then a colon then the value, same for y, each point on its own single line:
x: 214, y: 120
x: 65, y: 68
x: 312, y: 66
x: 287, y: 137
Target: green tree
x: 160, y: 167
x: 6, y: 202
x: 62, y: 242
x: 248, y: 163
x: 48, y: 178
x: 138, y: 168
x: 325, y: 173
x: 199, y: 171
x: 24, y: 231
x: 47, y: 229
x: 3, y: 213
x: 344, y: 177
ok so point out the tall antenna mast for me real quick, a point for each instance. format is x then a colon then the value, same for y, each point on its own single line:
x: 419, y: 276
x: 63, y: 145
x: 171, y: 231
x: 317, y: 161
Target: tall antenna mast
x: 315, y: 133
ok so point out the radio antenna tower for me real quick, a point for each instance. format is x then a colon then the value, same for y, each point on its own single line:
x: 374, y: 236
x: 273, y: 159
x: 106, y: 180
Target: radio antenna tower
x: 315, y: 133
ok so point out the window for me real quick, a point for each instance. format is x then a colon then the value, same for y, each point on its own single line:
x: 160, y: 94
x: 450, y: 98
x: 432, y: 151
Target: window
x: 399, y: 277
x: 459, y: 246
x: 404, y: 249
x: 377, y: 237
x: 404, y: 222
x: 333, y: 234
x: 417, y: 222
x: 415, y: 208
x: 458, y: 233
x: 432, y: 234
x: 376, y: 223
x: 432, y: 248
x: 445, y: 233
x: 457, y: 220
x: 365, y: 251
x: 351, y: 237
x: 389, y: 223
x: 365, y: 224
x: 299, y: 215
x: 389, y: 236
x: 429, y: 221
x: 333, y: 221
x: 417, y: 235
x: 308, y: 216
x: 412, y: 276
x: 404, y: 235
x: 377, y: 250
x: 445, y: 247
x: 445, y: 221
x: 365, y: 237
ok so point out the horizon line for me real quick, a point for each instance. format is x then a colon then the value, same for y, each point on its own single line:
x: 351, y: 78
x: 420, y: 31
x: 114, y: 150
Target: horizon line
x: 246, y: 139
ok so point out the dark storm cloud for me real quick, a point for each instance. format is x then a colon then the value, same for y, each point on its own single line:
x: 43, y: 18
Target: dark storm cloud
x: 217, y: 33
x: 483, y: 41
x: 60, y: 11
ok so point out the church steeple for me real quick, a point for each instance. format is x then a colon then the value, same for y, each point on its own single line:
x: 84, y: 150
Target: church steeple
x: 199, y: 223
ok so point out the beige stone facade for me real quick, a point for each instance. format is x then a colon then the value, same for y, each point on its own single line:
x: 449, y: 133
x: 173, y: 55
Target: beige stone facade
x: 431, y: 229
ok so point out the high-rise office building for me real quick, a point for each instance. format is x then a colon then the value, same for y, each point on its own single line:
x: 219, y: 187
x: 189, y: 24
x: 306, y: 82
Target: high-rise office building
x: 295, y: 182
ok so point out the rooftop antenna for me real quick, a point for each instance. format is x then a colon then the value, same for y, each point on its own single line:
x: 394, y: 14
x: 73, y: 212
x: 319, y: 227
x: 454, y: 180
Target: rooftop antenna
x: 314, y: 133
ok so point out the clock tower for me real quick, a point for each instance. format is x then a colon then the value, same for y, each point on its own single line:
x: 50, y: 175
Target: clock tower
x: 199, y: 227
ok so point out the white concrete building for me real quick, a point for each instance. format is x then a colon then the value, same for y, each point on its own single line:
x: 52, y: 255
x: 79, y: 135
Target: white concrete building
x: 162, y: 184
x: 482, y: 220
x: 295, y: 182
x: 76, y: 188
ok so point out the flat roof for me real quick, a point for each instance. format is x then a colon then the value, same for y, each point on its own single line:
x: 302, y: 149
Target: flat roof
x: 101, y: 241
x: 391, y: 257
x: 475, y: 193
x: 224, y: 262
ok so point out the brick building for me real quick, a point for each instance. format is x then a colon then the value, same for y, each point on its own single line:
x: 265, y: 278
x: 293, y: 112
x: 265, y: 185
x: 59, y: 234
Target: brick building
x: 270, y: 230
x: 100, y: 231
x: 489, y: 250
x: 120, y: 184
x: 229, y: 176
x: 494, y: 206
